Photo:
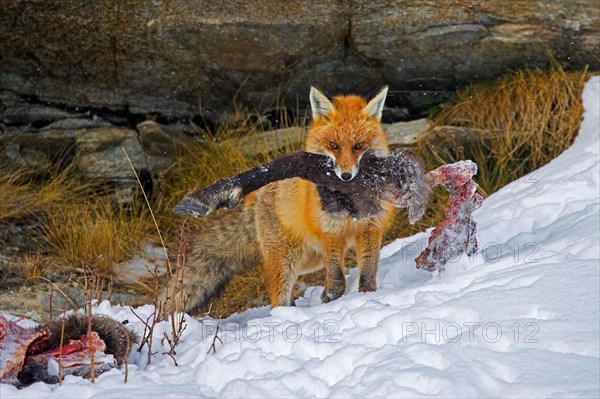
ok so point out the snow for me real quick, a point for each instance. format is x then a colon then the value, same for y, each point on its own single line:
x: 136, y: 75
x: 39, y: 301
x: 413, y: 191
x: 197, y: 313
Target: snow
x: 518, y: 319
x: 152, y: 261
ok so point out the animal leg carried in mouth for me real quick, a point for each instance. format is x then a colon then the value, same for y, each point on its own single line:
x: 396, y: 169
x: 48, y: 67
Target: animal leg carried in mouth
x: 397, y: 178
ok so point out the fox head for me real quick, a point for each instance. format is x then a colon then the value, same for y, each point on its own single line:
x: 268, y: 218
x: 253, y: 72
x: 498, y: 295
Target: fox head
x: 344, y: 128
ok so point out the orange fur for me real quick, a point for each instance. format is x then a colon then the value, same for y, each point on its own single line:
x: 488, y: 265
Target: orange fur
x: 311, y: 237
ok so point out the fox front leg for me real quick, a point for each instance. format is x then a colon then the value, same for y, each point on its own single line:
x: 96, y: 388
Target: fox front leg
x: 333, y: 257
x: 368, y: 243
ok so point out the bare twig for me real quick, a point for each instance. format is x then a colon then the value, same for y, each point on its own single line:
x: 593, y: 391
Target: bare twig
x: 102, y: 282
x: 172, y: 357
x: 146, y: 327
x: 148, y: 331
x: 127, y: 357
x: 90, y: 340
x: 62, y: 337
x: 51, y: 294
x: 178, y: 299
x: 214, y: 341
x: 147, y: 203
x: 73, y: 303
x: 109, y: 289
x: 176, y: 306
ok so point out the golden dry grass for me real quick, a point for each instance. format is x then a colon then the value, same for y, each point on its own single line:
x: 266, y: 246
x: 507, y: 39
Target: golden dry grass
x: 77, y: 225
x: 23, y: 195
x: 517, y: 124
x: 96, y: 233
x: 525, y: 120
x: 33, y: 266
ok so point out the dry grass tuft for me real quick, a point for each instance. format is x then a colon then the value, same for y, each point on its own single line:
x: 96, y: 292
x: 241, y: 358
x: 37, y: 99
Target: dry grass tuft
x: 524, y: 120
x: 94, y: 231
x: 77, y: 223
x: 33, y: 267
x: 23, y: 193
x: 514, y: 126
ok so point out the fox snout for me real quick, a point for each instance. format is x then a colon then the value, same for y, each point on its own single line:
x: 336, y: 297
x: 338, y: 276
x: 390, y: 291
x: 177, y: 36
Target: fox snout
x: 346, y: 174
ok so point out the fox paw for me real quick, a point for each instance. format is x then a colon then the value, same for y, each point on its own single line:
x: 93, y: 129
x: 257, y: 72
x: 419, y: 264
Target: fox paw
x: 328, y: 296
x: 367, y: 287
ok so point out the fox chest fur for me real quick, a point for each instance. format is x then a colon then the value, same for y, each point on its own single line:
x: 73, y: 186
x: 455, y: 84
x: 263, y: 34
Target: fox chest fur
x: 305, y: 217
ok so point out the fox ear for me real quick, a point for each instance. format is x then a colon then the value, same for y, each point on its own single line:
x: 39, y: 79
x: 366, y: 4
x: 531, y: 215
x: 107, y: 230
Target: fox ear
x: 375, y: 106
x: 320, y: 103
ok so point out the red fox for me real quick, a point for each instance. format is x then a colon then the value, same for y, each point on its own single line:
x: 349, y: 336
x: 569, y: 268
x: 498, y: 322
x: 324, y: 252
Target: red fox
x: 293, y: 226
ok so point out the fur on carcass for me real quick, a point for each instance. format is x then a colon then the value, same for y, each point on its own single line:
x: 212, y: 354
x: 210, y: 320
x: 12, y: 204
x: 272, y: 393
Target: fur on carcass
x: 33, y: 354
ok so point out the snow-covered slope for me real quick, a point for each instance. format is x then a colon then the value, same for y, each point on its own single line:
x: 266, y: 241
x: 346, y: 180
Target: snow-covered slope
x: 520, y: 318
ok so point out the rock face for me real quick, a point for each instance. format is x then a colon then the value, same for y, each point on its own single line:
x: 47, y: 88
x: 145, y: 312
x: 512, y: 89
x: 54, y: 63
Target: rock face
x: 97, y: 153
x: 406, y: 133
x: 181, y: 58
x: 78, y: 79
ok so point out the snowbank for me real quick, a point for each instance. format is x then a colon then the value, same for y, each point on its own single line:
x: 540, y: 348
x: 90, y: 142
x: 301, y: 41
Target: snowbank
x: 520, y: 318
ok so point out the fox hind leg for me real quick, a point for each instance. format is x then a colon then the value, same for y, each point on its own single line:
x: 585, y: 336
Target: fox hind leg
x: 280, y: 264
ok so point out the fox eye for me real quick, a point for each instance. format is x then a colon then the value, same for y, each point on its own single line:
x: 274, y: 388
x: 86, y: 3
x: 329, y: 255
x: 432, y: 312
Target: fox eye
x: 334, y: 146
x: 359, y: 146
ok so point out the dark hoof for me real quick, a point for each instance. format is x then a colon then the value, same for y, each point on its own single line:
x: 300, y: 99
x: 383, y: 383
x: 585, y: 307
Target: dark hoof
x: 187, y: 207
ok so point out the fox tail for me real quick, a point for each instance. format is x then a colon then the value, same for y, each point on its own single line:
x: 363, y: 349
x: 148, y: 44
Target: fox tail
x: 220, y: 247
